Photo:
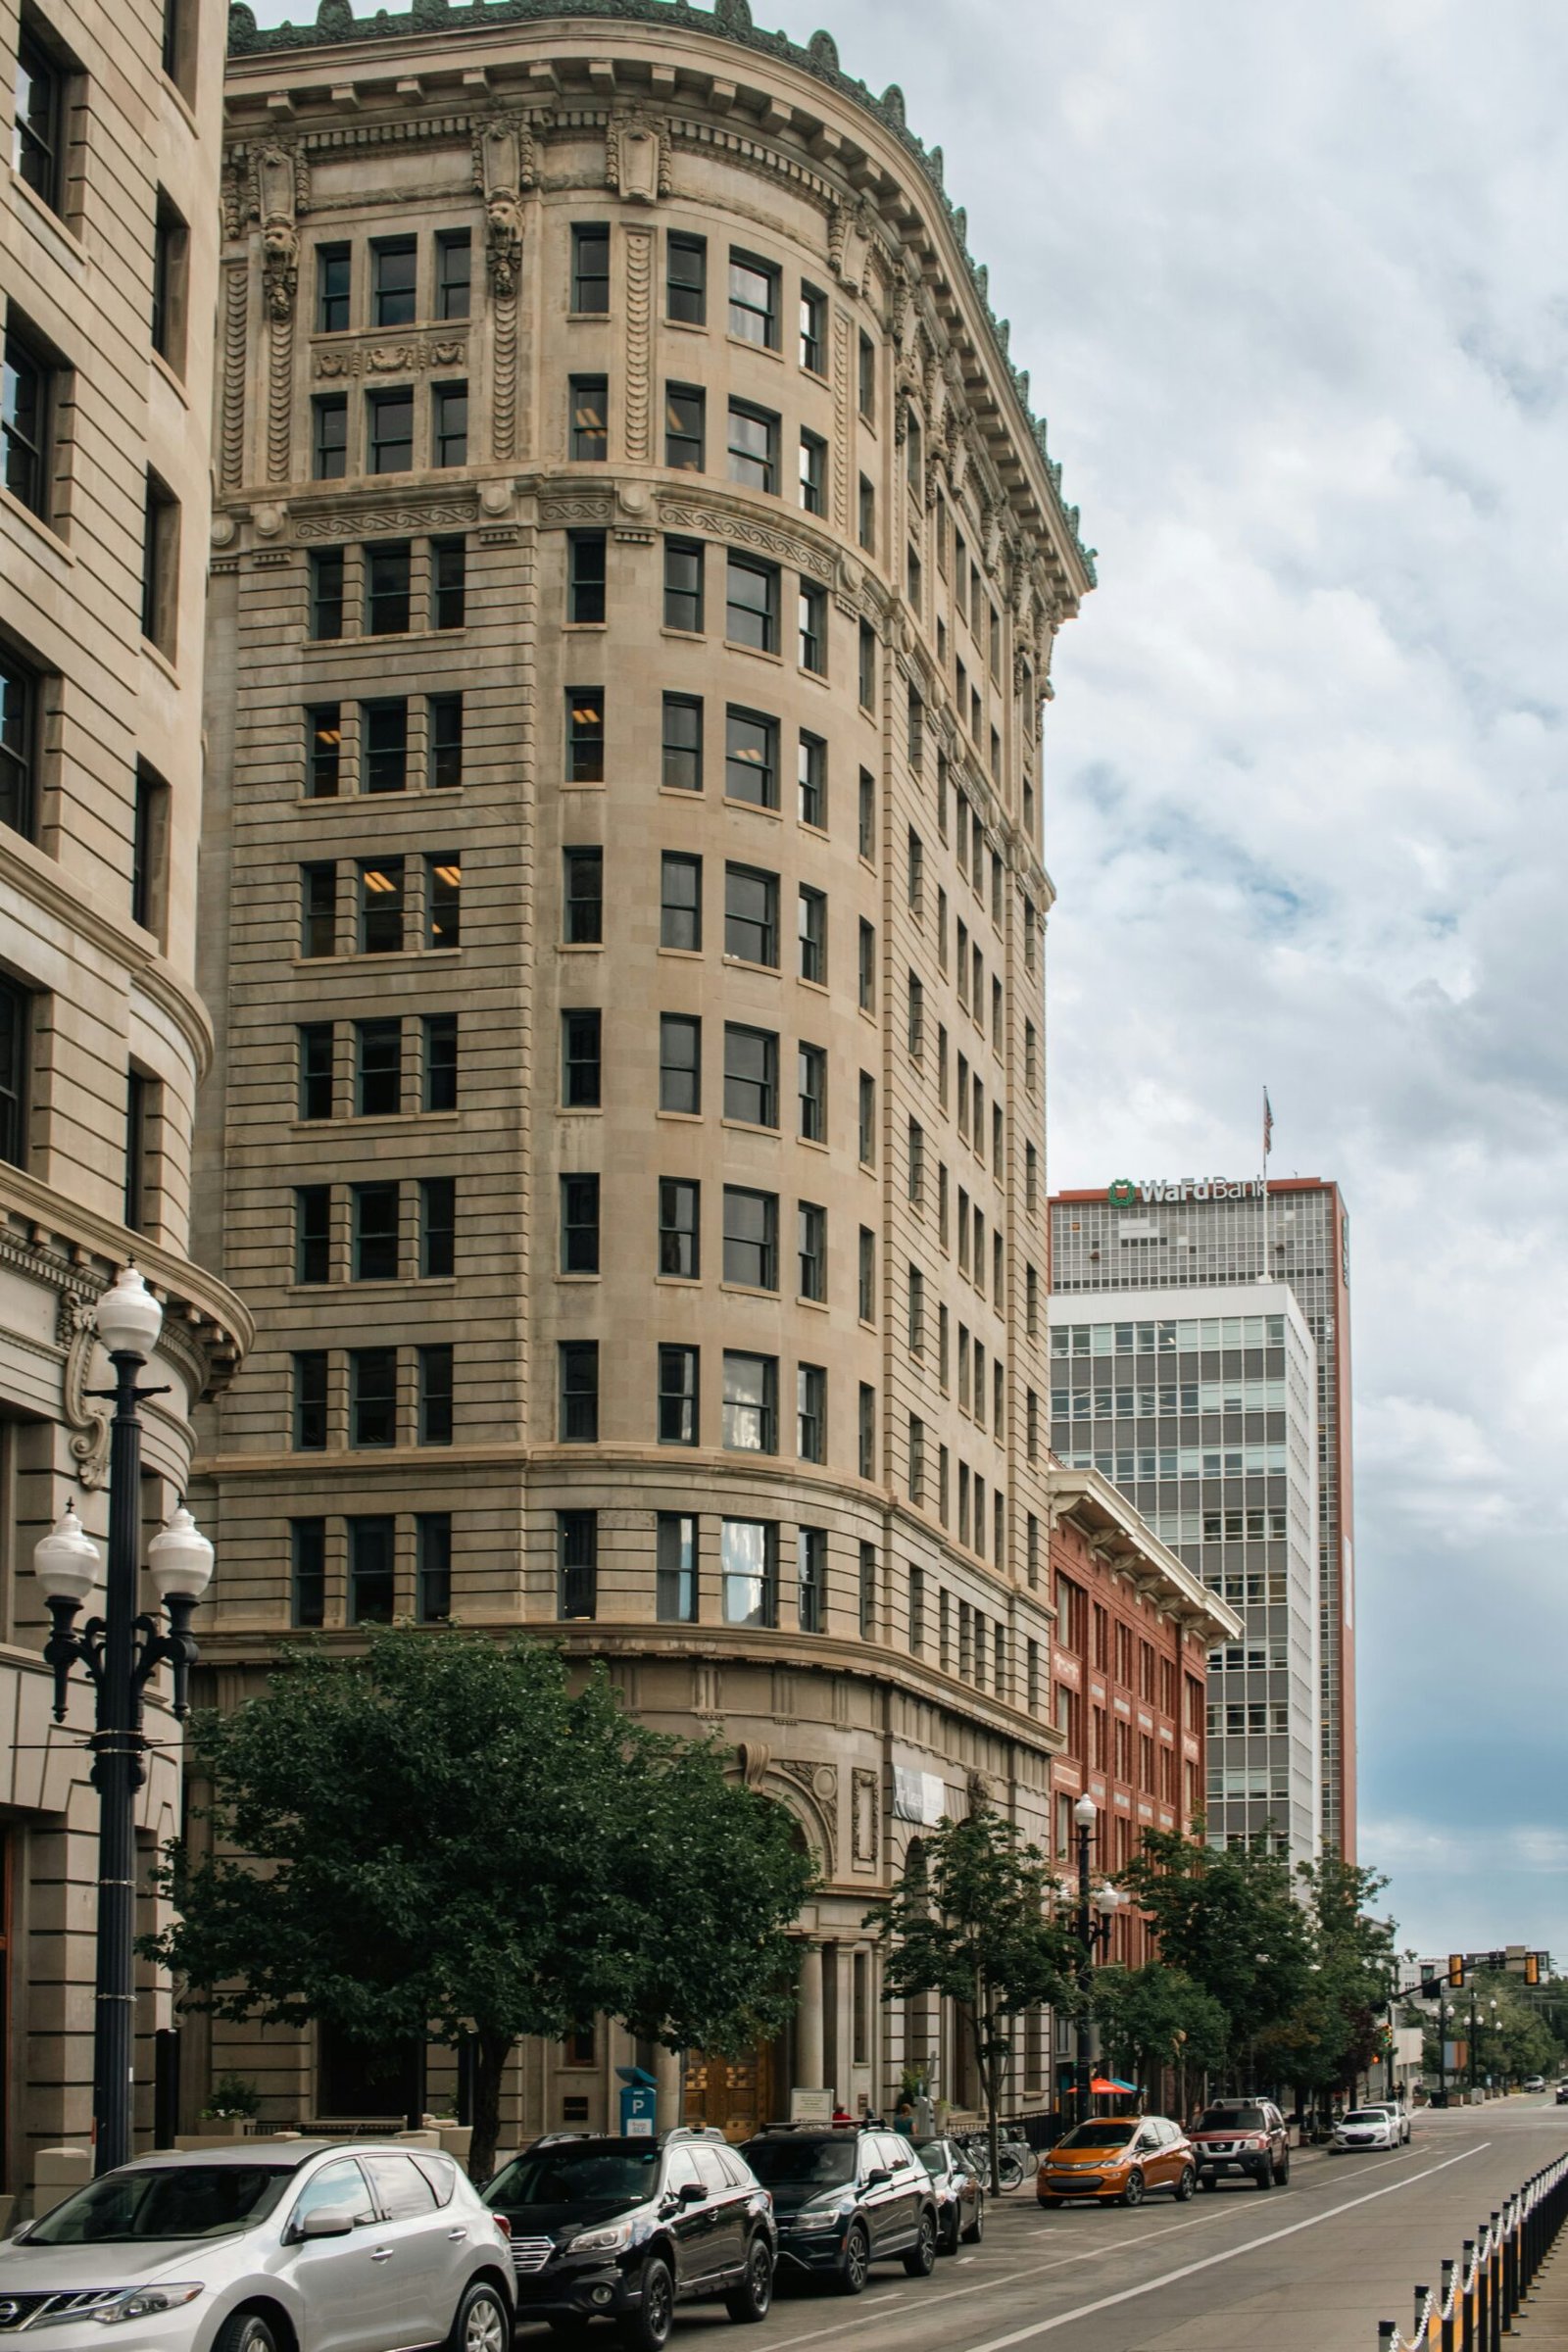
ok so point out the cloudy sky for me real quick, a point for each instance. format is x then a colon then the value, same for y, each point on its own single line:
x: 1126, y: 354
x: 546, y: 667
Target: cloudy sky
x: 1290, y: 283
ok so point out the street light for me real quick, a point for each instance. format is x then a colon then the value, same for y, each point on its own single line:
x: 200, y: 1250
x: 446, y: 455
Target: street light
x: 1094, y: 1940
x: 119, y: 1652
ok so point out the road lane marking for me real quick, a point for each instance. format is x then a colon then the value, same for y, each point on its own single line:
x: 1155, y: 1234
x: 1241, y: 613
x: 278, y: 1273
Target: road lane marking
x: 1210, y: 2262
x: 1384, y: 2158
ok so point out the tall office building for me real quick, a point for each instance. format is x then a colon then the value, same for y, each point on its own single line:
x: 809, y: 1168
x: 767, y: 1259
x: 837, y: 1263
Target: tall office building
x: 108, y: 218
x: 1227, y: 1239
x: 635, y: 580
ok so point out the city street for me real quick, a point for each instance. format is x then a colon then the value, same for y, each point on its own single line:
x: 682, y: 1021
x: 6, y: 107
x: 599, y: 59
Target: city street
x: 1315, y: 2266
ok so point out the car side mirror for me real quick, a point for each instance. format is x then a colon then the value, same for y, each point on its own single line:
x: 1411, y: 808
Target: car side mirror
x: 690, y: 2192
x: 878, y: 2176
x: 326, y: 2221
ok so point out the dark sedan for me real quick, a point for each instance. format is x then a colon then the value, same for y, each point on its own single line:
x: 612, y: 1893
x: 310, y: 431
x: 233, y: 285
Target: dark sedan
x: 960, y: 2199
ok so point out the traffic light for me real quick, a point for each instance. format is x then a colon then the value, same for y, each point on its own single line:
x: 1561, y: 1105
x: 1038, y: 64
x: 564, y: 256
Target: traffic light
x: 1532, y: 1968
x: 1456, y: 1971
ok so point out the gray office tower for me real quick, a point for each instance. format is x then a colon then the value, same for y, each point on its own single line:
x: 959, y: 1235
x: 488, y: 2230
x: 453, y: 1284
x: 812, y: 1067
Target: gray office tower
x: 1214, y: 1369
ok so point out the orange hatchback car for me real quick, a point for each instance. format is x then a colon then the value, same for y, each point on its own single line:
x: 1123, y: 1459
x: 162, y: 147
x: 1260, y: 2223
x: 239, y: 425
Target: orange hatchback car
x: 1117, y: 2158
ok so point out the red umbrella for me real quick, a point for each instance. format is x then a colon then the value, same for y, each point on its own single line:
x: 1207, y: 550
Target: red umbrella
x: 1106, y: 2086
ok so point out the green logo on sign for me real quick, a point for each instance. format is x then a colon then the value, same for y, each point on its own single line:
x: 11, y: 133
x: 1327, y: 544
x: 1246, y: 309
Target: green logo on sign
x: 1123, y: 1193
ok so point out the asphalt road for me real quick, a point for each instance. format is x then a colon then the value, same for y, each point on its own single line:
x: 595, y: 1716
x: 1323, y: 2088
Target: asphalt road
x: 1311, y: 2268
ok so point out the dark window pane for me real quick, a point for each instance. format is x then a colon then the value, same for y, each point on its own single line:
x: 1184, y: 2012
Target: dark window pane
x: 376, y: 1232
x: 683, y: 584
x: 585, y: 579
x: 432, y: 1535
x: 579, y: 1224
x: 446, y: 741
x: 449, y: 424
x: 680, y: 1062
x: 316, y: 1070
x: 812, y: 1082
x: 751, y: 1075
x: 812, y: 628
x: 378, y: 1069
x: 326, y: 592
x: 677, y: 1395
x: 750, y: 1238
x: 313, y: 1233
x: 811, y: 778
x: 19, y: 745
x: 454, y: 270
x: 36, y: 139
x: 683, y: 767
x: 317, y: 910
x: 332, y: 288
x: 584, y: 897
x: 449, y: 579
x: 684, y: 409
x: 577, y: 1555
x: 308, y: 1562
x: 391, y: 432
x: 680, y: 912
x: 310, y: 1400
x: 443, y: 901
x: 590, y: 427
x: 813, y: 331
x: 438, y: 1226
x: 749, y: 1571
x: 590, y: 269
x: 384, y: 758
x: 329, y: 443
x: 585, y: 735
x: 753, y: 301
x: 387, y: 567
x: 814, y: 474
x: 581, y: 1074
x: 370, y: 1571
x: 686, y: 279
x: 579, y: 1391
x: 441, y: 1061
x: 381, y: 903
x: 751, y: 1402
x: 435, y: 1395
x: 751, y: 915
x: 679, y: 1247
x: 324, y: 751
x: 751, y: 605
x: 372, y: 1396
x: 394, y: 268
x: 811, y: 1249
x: 751, y: 758
x: 24, y: 423
x: 675, y: 1601
x: 752, y: 446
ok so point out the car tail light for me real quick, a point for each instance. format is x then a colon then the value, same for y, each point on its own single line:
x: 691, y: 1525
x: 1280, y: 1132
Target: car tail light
x: 501, y: 2224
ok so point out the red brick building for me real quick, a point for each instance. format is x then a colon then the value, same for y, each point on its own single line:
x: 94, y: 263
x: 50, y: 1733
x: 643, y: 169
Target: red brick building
x: 1129, y: 1681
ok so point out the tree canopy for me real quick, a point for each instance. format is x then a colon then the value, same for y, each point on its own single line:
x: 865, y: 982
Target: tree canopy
x: 971, y: 1918
x: 440, y: 1837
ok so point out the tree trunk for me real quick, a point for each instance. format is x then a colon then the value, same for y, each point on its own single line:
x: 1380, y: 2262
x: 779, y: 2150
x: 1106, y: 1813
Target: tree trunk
x: 490, y: 2054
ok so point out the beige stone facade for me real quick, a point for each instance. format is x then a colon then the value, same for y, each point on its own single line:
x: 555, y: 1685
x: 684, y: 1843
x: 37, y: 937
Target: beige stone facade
x: 108, y: 218
x: 636, y: 570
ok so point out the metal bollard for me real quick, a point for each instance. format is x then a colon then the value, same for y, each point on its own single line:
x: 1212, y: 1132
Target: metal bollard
x: 1467, y: 2299
x: 1495, y: 2287
x: 1446, y: 2312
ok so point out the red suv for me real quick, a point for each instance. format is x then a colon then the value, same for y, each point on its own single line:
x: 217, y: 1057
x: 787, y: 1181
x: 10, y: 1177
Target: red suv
x: 1245, y: 2139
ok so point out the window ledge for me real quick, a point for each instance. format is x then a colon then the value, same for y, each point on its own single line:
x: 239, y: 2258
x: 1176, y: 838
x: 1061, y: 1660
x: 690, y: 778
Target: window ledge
x: 757, y: 653
x: 49, y: 222
x: 171, y: 377
x: 52, y: 543
x: 747, y: 1290
x: 682, y: 954
x: 757, y: 808
x: 750, y: 1127
x: 747, y: 963
x: 160, y: 661
x: 761, y: 351
x: 686, y: 326
x: 683, y: 636
x: 579, y: 947
x: 576, y: 1279
x: 687, y: 1118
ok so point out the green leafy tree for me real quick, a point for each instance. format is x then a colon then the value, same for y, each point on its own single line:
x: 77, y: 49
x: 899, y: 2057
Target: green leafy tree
x: 1154, y: 2017
x: 970, y: 1919
x: 440, y: 1839
x: 1332, y: 2035
x: 1227, y: 1918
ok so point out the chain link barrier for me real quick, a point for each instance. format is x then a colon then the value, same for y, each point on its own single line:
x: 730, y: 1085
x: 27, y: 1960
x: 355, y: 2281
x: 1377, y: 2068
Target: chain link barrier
x: 1480, y: 2293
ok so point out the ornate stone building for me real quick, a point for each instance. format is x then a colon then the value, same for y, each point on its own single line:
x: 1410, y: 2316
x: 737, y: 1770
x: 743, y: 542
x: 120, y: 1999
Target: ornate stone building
x: 629, y: 1132
x: 109, y: 217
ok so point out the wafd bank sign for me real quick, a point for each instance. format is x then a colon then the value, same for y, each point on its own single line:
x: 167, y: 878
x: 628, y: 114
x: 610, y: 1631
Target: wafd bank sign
x: 1125, y: 1194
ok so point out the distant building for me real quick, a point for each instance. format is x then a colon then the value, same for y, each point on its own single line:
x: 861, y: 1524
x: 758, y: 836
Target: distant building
x: 1168, y: 1240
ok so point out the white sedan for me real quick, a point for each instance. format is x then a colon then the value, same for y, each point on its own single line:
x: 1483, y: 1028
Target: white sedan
x: 1401, y: 2120
x: 1364, y: 2127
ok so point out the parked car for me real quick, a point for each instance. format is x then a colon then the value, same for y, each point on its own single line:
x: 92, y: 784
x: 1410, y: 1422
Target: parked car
x: 844, y: 2198
x: 1535, y: 2082
x: 1562, y: 2094
x: 960, y: 2194
x: 1241, y: 2140
x: 1118, y: 2159
x: 1401, y: 2119
x: 1363, y: 2128
x: 258, y: 2247
x: 626, y: 2229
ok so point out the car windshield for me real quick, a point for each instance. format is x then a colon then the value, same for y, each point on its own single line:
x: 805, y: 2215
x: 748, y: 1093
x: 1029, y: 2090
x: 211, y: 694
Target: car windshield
x: 814, y: 2163
x: 1366, y: 2115
x: 934, y: 2156
x: 173, y: 2200
x: 580, y: 2175
x: 1233, y: 2118
x: 1107, y: 2133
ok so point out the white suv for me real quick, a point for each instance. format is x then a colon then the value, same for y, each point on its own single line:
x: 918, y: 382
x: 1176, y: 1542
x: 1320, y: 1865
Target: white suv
x: 257, y: 2245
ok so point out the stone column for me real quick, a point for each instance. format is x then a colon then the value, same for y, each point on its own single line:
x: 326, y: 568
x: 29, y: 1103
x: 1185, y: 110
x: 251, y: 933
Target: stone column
x: 666, y: 2079
x: 810, y: 2061
x: 843, y: 2024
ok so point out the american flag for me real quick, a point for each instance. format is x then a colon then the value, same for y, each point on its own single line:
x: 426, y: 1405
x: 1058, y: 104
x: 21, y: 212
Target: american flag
x: 1268, y: 1127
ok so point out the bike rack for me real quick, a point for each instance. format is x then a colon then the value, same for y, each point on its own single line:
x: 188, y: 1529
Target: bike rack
x: 1483, y: 2291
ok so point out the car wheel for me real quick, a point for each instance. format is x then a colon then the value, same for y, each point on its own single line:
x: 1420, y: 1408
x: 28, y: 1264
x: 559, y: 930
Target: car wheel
x: 648, y: 2329
x: 977, y: 2227
x: 1186, y: 2184
x: 1282, y: 2175
x: 1051, y: 2204
x: 245, y: 2332
x: 483, y: 2322
x: 1132, y: 2193
x: 1265, y: 2177
x: 948, y: 2231
x: 921, y: 2259
x: 752, y: 2298
x: 855, y: 2264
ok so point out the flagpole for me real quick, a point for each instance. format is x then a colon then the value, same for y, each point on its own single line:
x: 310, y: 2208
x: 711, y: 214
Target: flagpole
x: 1268, y: 1138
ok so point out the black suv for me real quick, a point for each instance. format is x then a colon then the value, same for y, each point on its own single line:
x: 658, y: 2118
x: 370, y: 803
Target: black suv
x: 844, y: 2199
x: 626, y: 2229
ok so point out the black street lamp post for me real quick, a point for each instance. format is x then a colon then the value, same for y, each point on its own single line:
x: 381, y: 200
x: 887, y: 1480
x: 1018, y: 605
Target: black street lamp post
x: 120, y: 1652
x: 1094, y: 1941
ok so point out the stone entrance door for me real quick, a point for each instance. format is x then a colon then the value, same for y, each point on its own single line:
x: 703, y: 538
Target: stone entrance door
x: 735, y: 2093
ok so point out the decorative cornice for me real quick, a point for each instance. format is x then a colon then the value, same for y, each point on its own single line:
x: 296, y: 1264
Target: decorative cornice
x: 729, y: 21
